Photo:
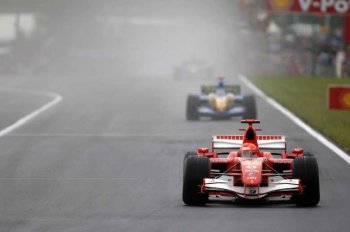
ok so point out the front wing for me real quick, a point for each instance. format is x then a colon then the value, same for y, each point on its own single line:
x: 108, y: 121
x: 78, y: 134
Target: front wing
x: 276, y: 186
x: 209, y: 112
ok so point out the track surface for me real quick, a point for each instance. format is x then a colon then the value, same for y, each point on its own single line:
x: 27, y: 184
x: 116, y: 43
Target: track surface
x: 109, y: 158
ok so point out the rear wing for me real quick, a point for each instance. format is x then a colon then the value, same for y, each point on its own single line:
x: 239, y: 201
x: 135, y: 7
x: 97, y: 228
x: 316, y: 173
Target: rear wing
x: 235, y: 89
x: 265, y: 142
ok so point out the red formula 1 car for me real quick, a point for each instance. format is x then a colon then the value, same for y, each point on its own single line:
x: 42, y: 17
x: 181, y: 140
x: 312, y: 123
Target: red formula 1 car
x: 250, y: 167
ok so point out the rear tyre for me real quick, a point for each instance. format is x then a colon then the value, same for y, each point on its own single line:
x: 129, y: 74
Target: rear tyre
x: 250, y: 107
x: 192, y: 108
x: 306, y: 169
x: 196, y: 168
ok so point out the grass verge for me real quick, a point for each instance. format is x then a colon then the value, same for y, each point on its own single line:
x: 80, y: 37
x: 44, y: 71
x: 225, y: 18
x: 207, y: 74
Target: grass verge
x: 307, y: 98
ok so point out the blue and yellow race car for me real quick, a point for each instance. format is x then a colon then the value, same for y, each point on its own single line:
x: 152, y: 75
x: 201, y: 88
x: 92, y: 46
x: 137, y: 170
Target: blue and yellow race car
x: 220, y: 102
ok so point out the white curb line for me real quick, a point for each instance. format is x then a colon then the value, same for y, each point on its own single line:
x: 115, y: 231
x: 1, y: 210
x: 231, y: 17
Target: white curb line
x: 56, y: 99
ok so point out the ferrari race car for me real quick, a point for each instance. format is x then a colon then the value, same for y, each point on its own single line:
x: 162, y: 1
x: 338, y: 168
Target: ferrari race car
x: 249, y: 167
x: 220, y: 102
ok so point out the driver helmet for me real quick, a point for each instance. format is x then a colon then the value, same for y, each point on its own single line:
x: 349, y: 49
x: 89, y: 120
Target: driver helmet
x: 221, y: 84
x: 248, y: 150
x: 220, y: 88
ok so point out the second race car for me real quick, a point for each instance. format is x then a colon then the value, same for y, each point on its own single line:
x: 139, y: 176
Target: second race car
x: 220, y: 102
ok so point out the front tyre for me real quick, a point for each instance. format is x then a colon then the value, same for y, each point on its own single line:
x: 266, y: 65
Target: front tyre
x: 196, y: 169
x: 306, y: 169
x: 188, y: 154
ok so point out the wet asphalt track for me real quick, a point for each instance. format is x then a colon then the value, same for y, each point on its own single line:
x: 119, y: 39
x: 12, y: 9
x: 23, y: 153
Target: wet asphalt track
x: 109, y: 158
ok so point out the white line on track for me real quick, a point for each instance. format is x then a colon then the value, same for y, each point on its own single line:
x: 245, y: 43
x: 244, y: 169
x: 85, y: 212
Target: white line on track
x: 296, y: 120
x: 56, y: 99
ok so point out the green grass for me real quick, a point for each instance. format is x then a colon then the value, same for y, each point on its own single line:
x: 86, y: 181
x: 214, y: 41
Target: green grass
x: 307, y: 98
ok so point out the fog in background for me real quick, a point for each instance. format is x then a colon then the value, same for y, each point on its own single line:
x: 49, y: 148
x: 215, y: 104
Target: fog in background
x: 137, y: 37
